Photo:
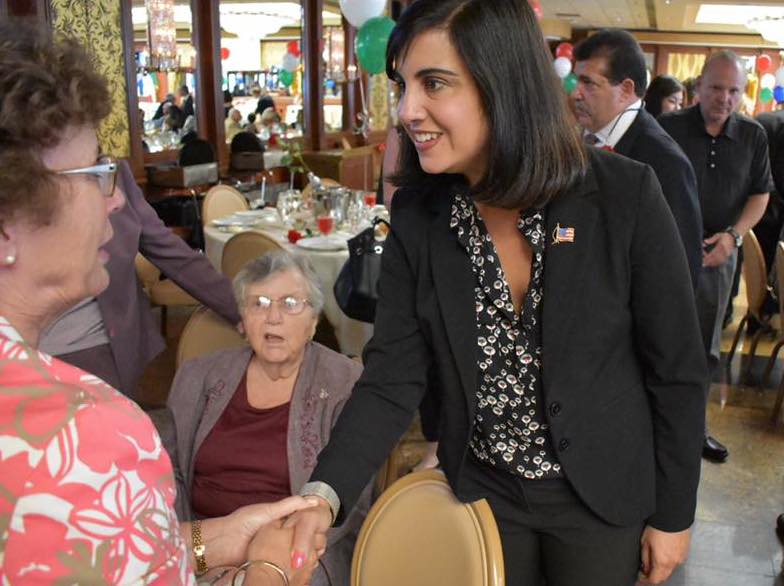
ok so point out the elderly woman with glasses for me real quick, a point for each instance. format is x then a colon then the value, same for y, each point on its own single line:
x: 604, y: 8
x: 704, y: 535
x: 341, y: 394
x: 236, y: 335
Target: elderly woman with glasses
x: 87, y: 491
x: 250, y: 421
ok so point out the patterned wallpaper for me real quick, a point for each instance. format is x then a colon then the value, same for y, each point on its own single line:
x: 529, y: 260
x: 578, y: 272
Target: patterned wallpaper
x: 96, y: 24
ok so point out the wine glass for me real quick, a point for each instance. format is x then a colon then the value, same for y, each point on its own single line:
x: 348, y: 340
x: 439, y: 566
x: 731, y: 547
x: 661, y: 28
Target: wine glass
x: 325, y: 223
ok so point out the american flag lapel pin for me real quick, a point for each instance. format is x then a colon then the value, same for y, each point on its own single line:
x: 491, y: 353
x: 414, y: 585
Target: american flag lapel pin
x: 563, y: 234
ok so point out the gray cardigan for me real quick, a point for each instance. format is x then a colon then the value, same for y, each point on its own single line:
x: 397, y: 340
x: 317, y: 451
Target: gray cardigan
x: 203, y: 388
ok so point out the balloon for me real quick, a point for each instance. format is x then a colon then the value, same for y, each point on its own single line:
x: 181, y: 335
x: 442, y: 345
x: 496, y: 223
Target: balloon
x: 564, y: 50
x: 570, y: 82
x: 285, y: 77
x: 766, y: 95
x: 536, y: 6
x: 358, y: 12
x: 778, y: 94
x: 289, y: 62
x: 764, y: 63
x: 780, y: 76
x: 562, y: 67
x: 225, y: 53
x: 293, y: 48
x: 768, y: 80
x: 371, y: 43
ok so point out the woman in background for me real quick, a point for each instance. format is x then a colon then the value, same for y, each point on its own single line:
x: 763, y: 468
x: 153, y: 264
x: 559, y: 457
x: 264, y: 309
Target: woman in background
x: 664, y: 94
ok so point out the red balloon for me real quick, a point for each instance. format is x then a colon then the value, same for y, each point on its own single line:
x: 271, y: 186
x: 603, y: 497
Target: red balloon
x: 293, y: 48
x: 225, y: 53
x: 564, y: 50
x: 536, y: 6
x: 764, y: 63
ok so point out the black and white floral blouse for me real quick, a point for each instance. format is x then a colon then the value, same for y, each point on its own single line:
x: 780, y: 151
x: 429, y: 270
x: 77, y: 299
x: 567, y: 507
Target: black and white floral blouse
x: 509, y: 431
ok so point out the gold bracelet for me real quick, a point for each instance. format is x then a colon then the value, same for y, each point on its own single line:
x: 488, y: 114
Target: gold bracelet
x: 244, y: 567
x: 199, y: 549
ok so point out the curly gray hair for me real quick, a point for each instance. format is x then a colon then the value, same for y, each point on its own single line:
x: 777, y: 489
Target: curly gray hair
x: 279, y: 261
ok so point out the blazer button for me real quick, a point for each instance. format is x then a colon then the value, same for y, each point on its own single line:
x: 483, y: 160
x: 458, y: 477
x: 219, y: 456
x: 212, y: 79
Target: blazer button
x: 563, y: 445
x: 555, y: 408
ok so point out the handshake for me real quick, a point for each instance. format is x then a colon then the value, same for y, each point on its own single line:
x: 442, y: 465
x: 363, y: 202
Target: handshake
x: 281, y: 541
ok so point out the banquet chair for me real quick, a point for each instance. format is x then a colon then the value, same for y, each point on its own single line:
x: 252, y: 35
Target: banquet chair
x: 206, y: 332
x: 419, y: 534
x: 222, y: 200
x: 244, y: 247
x: 162, y: 292
x: 755, y: 275
x: 325, y: 181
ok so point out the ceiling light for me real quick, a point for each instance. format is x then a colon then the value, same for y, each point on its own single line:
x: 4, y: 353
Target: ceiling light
x: 770, y: 28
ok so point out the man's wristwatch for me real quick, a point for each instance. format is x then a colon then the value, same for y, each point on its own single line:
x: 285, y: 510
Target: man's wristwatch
x: 734, y: 233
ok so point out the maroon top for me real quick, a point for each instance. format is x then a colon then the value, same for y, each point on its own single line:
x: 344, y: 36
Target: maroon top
x: 243, y: 460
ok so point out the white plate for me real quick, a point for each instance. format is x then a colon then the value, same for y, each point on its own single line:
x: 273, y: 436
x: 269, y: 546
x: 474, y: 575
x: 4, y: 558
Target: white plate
x: 323, y: 243
x: 263, y: 213
x: 232, y: 221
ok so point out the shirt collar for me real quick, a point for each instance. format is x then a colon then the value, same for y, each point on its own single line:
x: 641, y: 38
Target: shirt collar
x: 9, y: 332
x: 617, y: 127
x: 730, y: 128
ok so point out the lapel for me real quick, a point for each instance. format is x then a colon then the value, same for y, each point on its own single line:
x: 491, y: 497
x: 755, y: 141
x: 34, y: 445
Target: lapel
x: 219, y: 386
x: 629, y: 138
x: 564, y: 272
x: 454, y: 285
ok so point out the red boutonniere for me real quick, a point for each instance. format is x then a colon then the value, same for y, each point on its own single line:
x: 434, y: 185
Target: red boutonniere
x: 607, y: 148
x: 381, y: 147
x: 293, y: 236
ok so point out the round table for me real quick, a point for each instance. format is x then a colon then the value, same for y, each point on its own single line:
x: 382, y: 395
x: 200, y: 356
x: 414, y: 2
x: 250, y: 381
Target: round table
x: 351, y: 334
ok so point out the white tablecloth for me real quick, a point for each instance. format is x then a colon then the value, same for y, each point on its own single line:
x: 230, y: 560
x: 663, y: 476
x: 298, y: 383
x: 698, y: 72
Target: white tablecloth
x: 351, y: 334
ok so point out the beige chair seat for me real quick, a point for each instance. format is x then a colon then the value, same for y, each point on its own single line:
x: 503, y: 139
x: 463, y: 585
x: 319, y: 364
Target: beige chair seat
x: 162, y: 293
x: 244, y: 247
x: 419, y: 534
x: 206, y: 332
x: 222, y: 200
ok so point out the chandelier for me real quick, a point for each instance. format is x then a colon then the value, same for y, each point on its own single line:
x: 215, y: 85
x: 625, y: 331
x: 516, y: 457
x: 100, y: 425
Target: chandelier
x: 163, y: 34
x: 770, y: 28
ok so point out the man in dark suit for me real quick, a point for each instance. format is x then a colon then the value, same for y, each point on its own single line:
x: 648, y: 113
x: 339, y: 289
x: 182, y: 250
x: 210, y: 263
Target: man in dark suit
x: 607, y: 102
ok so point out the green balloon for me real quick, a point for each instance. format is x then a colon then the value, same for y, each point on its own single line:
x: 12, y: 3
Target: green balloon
x: 285, y: 77
x: 371, y: 43
x: 570, y: 82
x: 766, y: 95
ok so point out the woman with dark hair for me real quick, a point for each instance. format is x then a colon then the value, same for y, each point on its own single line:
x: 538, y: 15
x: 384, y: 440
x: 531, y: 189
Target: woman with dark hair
x: 523, y: 282
x: 665, y: 94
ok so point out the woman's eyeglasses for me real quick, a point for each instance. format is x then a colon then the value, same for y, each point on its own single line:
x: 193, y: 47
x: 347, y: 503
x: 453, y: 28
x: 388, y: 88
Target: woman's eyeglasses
x: 289, y: 304
x: 105, y: 171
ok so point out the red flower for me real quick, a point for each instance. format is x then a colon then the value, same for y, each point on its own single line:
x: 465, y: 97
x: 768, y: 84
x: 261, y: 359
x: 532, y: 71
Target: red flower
x: 293, y: 236
x: 607, y: 148
x: 273, y: 140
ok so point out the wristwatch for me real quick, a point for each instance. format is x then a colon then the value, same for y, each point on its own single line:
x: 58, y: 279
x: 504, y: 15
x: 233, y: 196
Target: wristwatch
x: 734, y: 233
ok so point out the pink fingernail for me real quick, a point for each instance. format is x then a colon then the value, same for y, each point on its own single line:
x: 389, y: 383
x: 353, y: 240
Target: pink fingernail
x: 297, y: 560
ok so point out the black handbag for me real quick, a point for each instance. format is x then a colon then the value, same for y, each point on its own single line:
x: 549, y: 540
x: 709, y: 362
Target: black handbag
x: 356, y: 288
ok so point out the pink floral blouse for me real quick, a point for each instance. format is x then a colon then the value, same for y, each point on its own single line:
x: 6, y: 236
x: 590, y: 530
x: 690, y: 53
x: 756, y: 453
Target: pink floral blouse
x: 86, y: 489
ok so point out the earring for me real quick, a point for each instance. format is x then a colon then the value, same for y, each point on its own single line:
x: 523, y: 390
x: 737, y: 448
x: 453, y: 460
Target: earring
x: 9, y: 260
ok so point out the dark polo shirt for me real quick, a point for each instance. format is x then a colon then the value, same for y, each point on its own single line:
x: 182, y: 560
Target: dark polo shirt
x: 730, y: 167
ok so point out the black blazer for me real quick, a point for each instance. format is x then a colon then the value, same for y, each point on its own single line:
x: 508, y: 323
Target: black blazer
x: 646, y: 141
x: 623, y: 365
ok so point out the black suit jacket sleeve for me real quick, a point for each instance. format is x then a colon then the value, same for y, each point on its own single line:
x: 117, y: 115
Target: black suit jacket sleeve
x: 672, y: 381
x: 396, y: 358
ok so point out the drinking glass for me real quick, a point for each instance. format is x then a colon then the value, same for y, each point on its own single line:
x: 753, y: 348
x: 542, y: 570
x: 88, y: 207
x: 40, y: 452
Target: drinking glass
x: 325, y: 223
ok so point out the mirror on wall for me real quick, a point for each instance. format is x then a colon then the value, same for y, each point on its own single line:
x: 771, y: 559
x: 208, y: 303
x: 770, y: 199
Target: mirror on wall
x: 262, y: 69
x: 166, y: 70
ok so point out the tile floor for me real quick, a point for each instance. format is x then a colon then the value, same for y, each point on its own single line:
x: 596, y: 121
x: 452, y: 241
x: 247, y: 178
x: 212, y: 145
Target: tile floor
x: 734, y: 543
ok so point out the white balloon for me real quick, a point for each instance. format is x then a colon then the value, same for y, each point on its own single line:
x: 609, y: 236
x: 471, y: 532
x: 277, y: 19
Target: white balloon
x: 358, y: 12
x: 290, y: 62
x: 768, y: 81
x: 780, y: 76
x: 562, y: 66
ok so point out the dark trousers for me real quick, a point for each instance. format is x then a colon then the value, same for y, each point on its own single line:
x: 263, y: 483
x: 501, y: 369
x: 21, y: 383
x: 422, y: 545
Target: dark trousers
x: 550, y: 537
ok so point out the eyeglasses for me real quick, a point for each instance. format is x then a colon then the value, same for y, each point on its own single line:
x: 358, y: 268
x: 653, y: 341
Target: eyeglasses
x: 105, y: 172
x: 289, y: 304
